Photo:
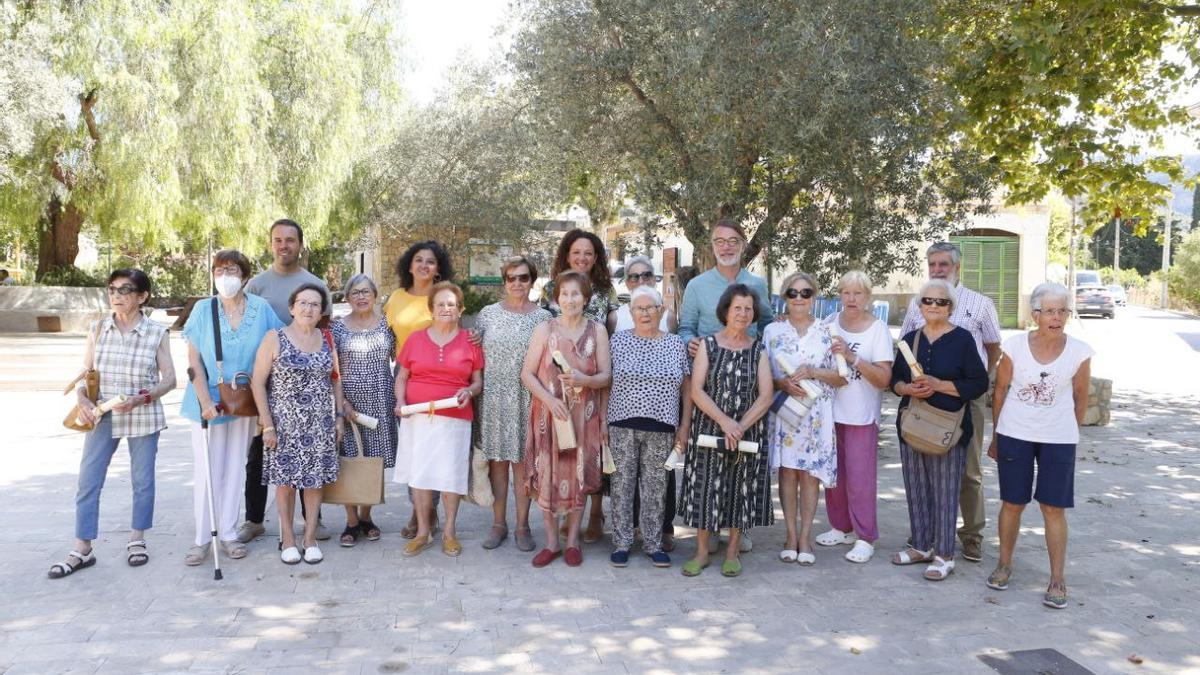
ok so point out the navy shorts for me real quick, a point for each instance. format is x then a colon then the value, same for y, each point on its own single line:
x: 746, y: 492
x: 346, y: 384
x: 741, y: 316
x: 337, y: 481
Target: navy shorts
x: 1055, y: 471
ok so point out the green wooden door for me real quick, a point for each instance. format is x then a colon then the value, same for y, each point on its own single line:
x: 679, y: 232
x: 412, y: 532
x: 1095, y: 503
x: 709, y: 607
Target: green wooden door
x: 990, y: 266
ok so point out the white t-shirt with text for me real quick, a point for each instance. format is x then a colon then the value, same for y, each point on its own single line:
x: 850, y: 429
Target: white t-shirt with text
x: 859, y: 401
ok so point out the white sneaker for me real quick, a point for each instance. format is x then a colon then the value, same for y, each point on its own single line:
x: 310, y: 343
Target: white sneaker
x: 290, y: 555
x: 745, y: 544
x: 836, y: 537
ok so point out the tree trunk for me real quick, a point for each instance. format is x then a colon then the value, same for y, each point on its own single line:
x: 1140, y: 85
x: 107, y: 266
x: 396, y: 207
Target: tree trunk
x: 58, y: 241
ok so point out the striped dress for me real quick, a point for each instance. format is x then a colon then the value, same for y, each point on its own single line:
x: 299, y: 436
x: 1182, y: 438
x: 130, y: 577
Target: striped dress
x: 727, y: 489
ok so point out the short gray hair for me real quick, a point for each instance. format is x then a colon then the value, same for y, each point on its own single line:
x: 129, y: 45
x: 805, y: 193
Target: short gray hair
x: 630, y: 262
x: 1048, y: 290
x: 951, y: 293
x: 646, y: 290
x: 855, y: 278
x: 359, y: 279
x: 946, y: 247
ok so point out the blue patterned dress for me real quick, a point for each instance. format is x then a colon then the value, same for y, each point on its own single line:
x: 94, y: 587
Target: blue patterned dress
x: 365, y: 358
x: 300, y: 396
x: 810, y: 447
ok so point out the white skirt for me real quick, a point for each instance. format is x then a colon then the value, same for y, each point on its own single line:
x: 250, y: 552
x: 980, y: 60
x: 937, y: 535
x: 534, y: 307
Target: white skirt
x: 434, y: 453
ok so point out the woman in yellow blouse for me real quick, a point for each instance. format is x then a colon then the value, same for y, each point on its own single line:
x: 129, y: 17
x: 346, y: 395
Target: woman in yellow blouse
x: 407, y: 310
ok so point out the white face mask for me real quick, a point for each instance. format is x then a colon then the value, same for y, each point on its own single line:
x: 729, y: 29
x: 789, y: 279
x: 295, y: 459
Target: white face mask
x: 228, y: 286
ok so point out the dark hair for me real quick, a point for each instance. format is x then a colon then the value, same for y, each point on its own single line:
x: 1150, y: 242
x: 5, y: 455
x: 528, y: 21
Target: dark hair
x: 287, y: 222
x: 517, y: 261
x: 445, y: 286
x: 232, y: 255
x: 736, y: 291
x: 601, y: 281
x: 310, y: 286
x: 139, y: 279
x: 731, y: 224
x: 578, y: 278
x: 445, y: 271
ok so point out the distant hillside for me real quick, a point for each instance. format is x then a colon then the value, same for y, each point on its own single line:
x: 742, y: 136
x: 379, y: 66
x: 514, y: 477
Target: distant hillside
x: 1182, y: 203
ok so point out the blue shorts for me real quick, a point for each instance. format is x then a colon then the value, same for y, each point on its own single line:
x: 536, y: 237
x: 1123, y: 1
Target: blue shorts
x: 1055, y: 471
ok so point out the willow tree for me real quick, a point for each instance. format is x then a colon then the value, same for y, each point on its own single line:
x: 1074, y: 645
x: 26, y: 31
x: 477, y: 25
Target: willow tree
x: 190, y: 118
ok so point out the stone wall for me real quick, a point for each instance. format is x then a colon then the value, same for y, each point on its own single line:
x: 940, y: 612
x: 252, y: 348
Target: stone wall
x: 73, y: 308
x: 1099, y: 403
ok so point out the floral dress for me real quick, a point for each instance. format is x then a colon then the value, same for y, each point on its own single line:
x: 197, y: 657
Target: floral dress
x: 300, y: 396
x: 503, y: 416
x: 560, y: 480
x: 365, y: 360
x: 811, y: 447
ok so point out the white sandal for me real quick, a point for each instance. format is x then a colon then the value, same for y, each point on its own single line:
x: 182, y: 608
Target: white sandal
x: 903, y: 558
x: 836, y: 537
x: 939, y: 569
x: 787, y: 555
x: 290, y: 556
x: 806, y: 558
x: 861, y: 552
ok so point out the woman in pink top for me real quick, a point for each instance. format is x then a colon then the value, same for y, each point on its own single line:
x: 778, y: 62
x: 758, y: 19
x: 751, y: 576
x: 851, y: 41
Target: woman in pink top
x: 435, y: 446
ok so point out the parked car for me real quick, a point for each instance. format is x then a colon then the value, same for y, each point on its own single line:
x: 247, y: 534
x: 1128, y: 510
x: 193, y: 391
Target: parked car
x: 1096, y: 301
x: 1118, y: 294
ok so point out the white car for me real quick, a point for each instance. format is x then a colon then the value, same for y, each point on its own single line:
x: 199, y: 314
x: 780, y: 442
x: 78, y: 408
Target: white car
x: 1118, y: 294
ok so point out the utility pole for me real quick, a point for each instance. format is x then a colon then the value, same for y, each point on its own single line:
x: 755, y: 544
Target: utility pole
x: 1071, y: 249
x: 1166, y: 260
x: 1117, y: 245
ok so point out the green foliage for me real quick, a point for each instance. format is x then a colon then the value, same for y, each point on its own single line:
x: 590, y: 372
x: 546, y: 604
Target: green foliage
x: 476, y: 298
x: 1196, y: 206
x: 1141, y: 253
x: 1129, y: 278
x: 1184, y: 280
x: 69, y: 275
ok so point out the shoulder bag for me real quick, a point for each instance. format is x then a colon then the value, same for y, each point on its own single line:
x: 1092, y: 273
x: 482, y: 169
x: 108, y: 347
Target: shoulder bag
x: 360, y: 478
x: 926, y: 429
x: 91, y: 380
x: 237, y: 400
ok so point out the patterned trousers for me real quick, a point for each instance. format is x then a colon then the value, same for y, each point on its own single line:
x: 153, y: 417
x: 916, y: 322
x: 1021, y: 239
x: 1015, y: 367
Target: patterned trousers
x: 931, y: 484
x: 639, y: 456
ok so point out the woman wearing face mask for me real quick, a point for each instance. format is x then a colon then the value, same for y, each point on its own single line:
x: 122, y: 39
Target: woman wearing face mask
x: 244, y: 319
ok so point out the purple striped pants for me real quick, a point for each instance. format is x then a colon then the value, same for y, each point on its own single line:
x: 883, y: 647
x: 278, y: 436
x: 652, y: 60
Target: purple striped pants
x: 932, y: 484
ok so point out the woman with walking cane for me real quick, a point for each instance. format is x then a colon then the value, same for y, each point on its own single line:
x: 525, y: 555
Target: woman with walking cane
x: 235, y: 321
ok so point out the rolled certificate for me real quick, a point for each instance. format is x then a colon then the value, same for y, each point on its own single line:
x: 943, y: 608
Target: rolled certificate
x: 414, y: 408
x: 608, y: 465
x: 674, y: 461
x: 906, y: 352
x: 105, y: 407
x: 373, y: 422
x: 563, y: 365
x: 706, y: 441
x: 810, y: 387
x: 843, y: 368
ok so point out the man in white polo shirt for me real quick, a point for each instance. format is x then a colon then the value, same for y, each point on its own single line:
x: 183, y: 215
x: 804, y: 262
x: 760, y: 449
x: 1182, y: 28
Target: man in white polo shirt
x: 977, y: 314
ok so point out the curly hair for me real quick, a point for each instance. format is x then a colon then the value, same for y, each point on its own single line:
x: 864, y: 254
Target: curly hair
x: 445, y: 271
x: 600, y: 276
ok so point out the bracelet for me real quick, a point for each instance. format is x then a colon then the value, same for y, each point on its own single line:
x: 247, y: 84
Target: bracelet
x: 266, y: 429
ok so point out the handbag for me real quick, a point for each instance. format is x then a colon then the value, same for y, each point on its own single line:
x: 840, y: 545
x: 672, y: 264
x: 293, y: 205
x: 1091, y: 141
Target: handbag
x: 479, y: 483
x: 237, y: 400
x: 91, y: 380
x: 926, y: 429
x: 360, y: 478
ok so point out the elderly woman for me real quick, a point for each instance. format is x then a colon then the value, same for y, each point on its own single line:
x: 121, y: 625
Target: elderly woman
x: 297, y: 388
x: 583, y: 252
x: 132, y: 355
x: 639, y: 273
x: 423, y: 264
x: 437, y: 363
x: 506, y: 328
x: 561, y: 478
x: 731, y: 390
x: 242, y: 319
x: 649, y: 366
x: 952, y: 375
x: 866, y: 345
x: 1041, y: 395
x: 366, y: 347
x: 804, y: 454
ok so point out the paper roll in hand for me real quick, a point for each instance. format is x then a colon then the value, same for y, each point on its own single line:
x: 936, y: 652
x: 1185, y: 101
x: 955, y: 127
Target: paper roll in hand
x: 563, y: 365
x: 674, y: 461
x: 706, y: 441
x: 843, y: 368
x: 371, y: 422
x: 906, y: 352
x: 414, y: 408
x: 105, y: 407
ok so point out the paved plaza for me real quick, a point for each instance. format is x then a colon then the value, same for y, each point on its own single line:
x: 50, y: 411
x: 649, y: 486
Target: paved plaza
x: 1133, y: 569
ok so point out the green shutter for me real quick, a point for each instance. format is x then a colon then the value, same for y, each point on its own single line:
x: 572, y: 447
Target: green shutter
x: 991, y: 265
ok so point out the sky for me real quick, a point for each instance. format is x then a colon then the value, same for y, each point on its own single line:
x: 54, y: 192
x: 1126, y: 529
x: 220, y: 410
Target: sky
x: 437, y: 32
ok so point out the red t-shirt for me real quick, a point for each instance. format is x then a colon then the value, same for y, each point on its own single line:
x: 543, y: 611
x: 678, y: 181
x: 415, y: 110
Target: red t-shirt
x: 439, y: 372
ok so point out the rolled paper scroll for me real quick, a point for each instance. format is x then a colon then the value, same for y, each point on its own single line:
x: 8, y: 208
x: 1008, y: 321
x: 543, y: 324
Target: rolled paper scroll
x: 372, y: 422
x: 414, y: 408
x: 843, y: 368
x: 906, y: 352
x: 563, y: 365
x: 105, y: 407
x: 706, y: 441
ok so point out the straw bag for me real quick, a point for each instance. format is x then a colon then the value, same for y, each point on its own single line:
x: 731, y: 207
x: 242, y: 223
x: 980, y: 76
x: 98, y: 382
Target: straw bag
x: 360, y: 478
x: 930, y: 430
x: 91, y: 379
x: 479, y: 482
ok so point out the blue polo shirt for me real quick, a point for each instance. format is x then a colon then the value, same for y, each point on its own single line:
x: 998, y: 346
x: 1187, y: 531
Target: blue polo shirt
x: 698, y: 317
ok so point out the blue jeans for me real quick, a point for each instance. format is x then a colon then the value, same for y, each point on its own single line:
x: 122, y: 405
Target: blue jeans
x: 98, y: 449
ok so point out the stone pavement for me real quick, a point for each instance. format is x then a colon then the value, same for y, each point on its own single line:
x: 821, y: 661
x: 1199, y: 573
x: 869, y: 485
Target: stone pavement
x: 1133, y: 573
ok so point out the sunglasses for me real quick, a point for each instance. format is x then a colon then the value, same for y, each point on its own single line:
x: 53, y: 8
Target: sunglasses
x: 643, y: 276
x: 123, y: 289
x: 792, y: 294
x: 940, y: 302
x: 518, y: 278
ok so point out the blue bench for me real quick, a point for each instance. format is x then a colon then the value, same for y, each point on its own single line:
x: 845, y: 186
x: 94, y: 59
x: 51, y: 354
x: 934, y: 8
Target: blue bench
x: 826, y: 306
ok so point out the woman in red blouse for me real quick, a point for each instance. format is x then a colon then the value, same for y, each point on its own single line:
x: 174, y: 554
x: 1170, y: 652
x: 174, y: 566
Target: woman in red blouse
x: 435, y: 445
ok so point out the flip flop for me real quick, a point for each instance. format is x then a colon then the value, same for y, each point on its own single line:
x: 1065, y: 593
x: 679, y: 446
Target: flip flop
x: 692, y: 568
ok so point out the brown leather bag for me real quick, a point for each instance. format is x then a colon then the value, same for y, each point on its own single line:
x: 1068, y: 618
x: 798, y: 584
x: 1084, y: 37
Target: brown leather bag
x: 237, y: 400
x: 91, y: 379
x: 930, y: 430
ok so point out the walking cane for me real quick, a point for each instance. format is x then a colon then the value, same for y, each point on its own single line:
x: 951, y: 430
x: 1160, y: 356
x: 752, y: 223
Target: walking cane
x: 212, y: 516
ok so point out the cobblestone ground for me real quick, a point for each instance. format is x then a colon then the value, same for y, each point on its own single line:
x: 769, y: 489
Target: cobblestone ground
x: 1133, y: 573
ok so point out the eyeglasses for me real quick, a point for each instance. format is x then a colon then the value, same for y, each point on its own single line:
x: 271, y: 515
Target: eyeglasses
x: 792, y: 293
x: 304, y: 304
x: 123, y: 289
x: 940, y: 302
x: 518, y: 278
x: 1054, y: 312
x: 649, y: 309
x: 732, y: 241
x: 643, y: 276
x: 227, y: 271
x: 360, y: 293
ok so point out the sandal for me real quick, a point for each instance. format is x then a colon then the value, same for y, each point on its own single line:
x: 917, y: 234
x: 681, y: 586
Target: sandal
x: 66, y: 569
x: 195, y: 555
x: 939, y: 569
x: 788, y: 555
x: 369, y: 530
x: 350, y: 536
x: 409, y: 531
x: 999, y: 577
x: 861, y: 552
x: 235, y: 549
x: 135, y: 553
x: 451, y: 547
x: 416, y: 546
x: 1056, y: 595
x: 732, y: 568
x: 692, y: 568
x: 912, y: 556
